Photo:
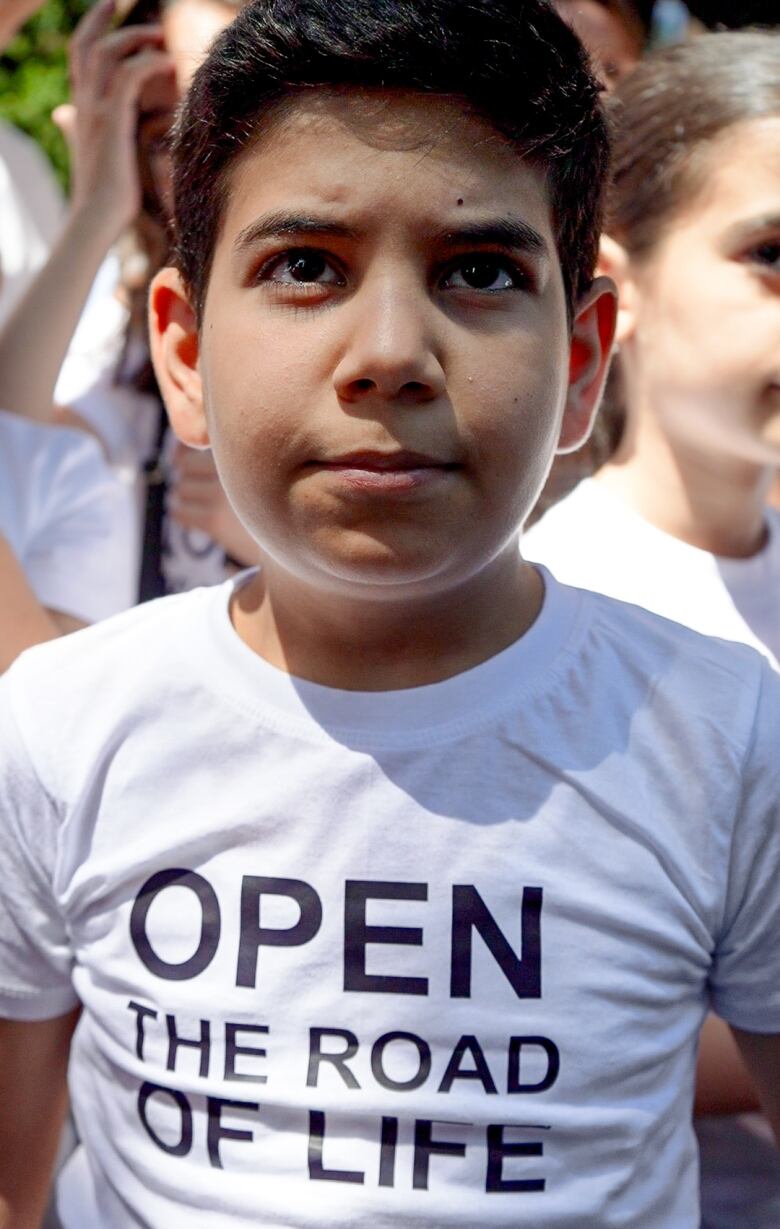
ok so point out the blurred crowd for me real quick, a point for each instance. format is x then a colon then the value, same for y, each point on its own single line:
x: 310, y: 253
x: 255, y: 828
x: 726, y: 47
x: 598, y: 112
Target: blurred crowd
x: 673, y: 502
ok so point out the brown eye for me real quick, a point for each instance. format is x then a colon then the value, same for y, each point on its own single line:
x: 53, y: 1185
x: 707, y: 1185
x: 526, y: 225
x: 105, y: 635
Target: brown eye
x: 306, y: 266
x: 767, y: 254
x: 301, y: 267
x: 488, y: 273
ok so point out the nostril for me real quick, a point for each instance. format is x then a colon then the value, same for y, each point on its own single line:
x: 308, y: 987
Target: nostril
x: 364, y: 385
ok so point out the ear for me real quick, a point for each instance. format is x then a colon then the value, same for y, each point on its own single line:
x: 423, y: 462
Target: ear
x: 613, y: 262
x: 593, y: 332
x: 174, y: 342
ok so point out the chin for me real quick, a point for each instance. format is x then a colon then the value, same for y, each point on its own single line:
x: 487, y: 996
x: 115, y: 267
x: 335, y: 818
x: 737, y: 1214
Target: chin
x: 383, y: 570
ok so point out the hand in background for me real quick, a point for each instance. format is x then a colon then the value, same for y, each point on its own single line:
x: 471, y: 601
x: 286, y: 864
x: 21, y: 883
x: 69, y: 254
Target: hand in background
x: 13, y: 15
x: 116, y: 75
x: 197, y: 500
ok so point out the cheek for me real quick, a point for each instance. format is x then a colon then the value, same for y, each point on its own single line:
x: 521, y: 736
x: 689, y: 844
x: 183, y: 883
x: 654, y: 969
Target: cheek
x: 514, y: 442
x: 704, y: 326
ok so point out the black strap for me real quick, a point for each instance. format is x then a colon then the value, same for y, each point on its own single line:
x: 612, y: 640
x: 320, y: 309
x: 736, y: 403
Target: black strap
x: 152, y: 583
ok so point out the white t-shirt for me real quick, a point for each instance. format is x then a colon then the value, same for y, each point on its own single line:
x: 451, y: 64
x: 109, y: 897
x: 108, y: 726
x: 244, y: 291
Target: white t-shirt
x: 32, y: 211
x: 593, y: 539
x: 433, y: 957
x: 67, y: 519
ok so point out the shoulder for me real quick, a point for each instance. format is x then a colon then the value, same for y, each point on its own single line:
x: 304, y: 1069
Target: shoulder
x: 101, y: 674
x: 78, y: 701
x: 684, y: 678
x: 571, y: 534
x: 633, y: 631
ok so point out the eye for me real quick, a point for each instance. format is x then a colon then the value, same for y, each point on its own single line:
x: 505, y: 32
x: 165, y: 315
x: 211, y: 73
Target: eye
x: 487, y: 273
x: 301, y: 267
x: 767, y: 255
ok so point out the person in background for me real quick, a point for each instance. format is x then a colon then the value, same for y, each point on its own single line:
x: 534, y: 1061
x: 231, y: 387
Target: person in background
x: 65, y: 529
x: 615, y: 34
x: 612, y: 31
x: 65, y: 521
x: 190, y: 535
x: 105, y: 380
x: 677, y: 520
x: 32, y: 209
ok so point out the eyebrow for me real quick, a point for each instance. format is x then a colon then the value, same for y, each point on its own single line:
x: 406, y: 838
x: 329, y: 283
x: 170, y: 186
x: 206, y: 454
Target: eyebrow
x: 504, y: 232
x: 501, y: 232
x: 752, y: 226
x: 279, y: 225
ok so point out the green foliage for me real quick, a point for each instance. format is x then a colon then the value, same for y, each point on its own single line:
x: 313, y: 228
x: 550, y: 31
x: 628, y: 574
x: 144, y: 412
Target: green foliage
x: 34, y: 76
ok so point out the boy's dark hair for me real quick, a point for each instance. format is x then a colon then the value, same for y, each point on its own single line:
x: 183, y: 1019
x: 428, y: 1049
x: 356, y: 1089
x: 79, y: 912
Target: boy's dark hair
x: 514, y: 62
x: 665, y: 115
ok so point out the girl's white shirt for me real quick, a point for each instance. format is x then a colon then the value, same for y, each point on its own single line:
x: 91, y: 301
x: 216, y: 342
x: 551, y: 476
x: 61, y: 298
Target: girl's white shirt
x: 594, y: 540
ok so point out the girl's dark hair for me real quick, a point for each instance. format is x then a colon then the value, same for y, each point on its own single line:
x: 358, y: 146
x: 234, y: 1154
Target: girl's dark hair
x: 665, y: 115
x: 512, y: 61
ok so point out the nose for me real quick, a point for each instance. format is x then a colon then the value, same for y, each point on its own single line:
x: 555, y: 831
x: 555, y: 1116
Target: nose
x: 391, y: 350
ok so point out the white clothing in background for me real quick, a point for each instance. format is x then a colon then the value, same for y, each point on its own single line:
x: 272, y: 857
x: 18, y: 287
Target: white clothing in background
x: 67, y: 519
x: 433, y: 957
x: 126, y: 420
x: 32, y: 211
x: 128, y: 423
x: 593, y: 539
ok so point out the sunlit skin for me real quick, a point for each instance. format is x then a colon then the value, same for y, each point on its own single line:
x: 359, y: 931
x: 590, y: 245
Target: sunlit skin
x: 13, y: 15
x: 612, y: 44
x: 700, y: 345
x: 189, y: 28
x: 384, y: 370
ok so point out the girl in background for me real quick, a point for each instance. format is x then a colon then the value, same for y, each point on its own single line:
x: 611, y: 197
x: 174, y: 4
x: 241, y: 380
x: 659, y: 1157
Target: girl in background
x: 186, y: 528
x: 677, y: 520
x: 190, y: 535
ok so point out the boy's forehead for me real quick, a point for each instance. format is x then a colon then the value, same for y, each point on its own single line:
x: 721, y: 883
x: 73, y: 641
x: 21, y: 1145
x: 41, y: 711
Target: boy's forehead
x: 355, y: 149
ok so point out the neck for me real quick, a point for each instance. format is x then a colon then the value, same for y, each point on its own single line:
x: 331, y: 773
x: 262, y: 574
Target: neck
x: 710, y: 500
x: 373, y: 645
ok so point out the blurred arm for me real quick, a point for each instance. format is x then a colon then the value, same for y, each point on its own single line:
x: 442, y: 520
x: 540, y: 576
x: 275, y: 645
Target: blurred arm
x: 761, y: 1052
x: 23, y: 620
x: 33, y: 1101
x: 723, y: 1083
x: 13, y: 15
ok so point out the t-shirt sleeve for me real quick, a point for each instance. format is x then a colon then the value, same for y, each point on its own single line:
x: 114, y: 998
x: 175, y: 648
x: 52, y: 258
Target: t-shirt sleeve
x: 745, y: 977
x: 35, y: 953
x: 80, y: 556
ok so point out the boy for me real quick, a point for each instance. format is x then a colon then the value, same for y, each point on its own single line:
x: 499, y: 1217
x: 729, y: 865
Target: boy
x: 372, y: 920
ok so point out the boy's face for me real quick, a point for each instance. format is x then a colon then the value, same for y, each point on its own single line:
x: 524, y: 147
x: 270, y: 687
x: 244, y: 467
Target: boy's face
x: 383, y: 367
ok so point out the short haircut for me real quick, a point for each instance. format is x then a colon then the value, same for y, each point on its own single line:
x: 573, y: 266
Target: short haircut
x: 513, y: 62
x: 665, y: 115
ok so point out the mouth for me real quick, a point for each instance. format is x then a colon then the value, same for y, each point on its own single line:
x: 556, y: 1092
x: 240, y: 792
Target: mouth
x: 385, y: 462
x: 398, y: 472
